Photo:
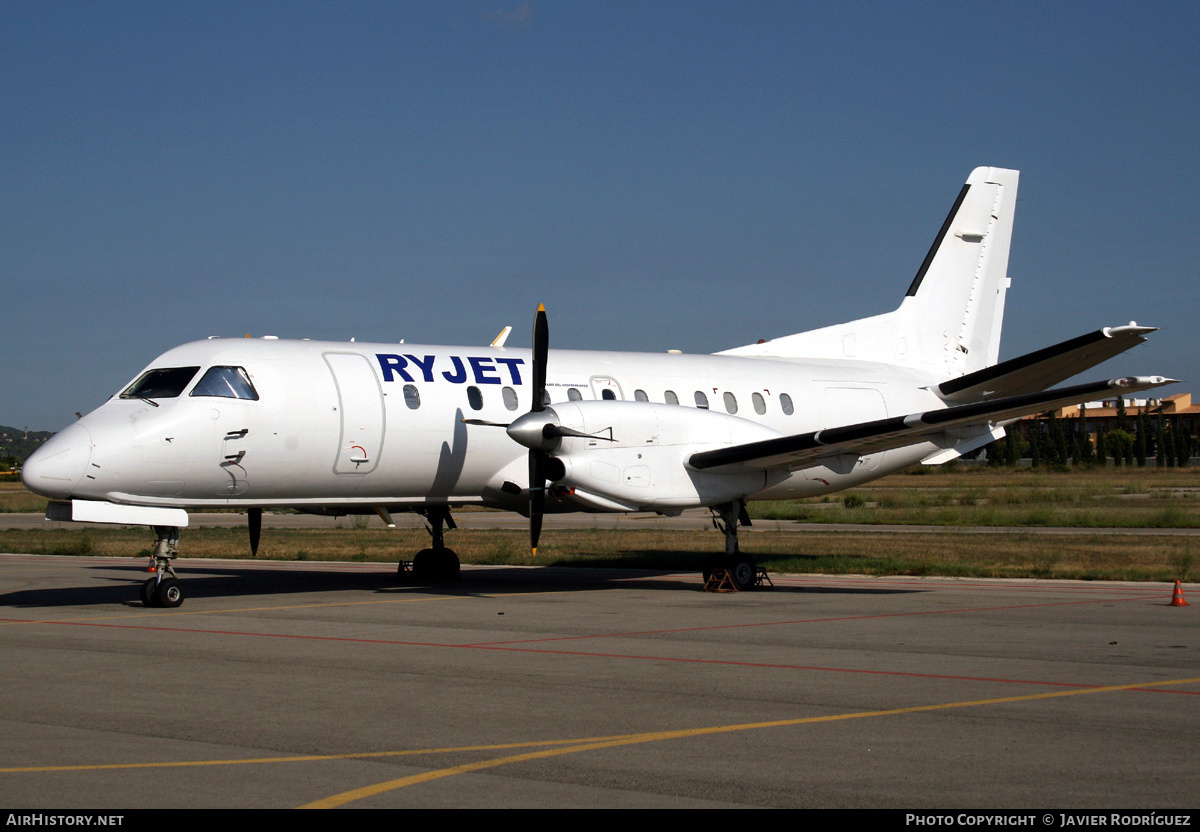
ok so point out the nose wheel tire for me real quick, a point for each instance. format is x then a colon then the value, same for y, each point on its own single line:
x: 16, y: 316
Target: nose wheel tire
x: 148, y: 588
x: 166, y: 593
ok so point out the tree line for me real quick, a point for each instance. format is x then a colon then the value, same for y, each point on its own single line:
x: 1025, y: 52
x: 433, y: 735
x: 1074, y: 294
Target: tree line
x: 1059, y: 442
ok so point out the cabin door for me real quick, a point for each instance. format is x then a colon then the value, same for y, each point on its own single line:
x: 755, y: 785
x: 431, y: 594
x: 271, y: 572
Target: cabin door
x: 360, y: 404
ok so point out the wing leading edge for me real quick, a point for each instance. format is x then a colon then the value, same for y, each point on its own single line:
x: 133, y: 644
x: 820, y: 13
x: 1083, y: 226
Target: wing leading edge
x: 805, y: 449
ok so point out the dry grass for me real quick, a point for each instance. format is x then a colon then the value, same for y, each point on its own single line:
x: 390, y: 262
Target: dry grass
x: 14, y: 497
x: 1125, y: 498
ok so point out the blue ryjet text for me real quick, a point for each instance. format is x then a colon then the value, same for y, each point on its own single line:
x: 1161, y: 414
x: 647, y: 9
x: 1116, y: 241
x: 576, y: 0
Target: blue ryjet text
x: 483, y: 369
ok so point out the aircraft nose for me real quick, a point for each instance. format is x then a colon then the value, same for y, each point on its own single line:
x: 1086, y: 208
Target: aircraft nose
x: 54, y: 469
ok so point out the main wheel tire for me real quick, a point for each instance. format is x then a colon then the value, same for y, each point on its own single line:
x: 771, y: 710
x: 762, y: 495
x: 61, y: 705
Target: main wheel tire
x: 448, y: 565
x: 148, y: 587
x: 169, y: 593
x: 424, y: 565
x: 743, y: 572
x: 436, y: 565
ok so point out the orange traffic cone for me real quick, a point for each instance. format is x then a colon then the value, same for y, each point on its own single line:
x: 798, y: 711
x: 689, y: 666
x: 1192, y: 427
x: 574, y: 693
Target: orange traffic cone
x: 1177, y: 597
x: 151, y: 567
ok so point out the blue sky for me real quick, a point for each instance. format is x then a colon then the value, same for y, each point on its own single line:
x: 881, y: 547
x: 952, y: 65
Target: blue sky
x: 690, y: 175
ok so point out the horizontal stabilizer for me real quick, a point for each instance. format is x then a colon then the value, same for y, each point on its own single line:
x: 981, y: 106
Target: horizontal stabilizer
x: 805, y: 449
x: 1044, y: 368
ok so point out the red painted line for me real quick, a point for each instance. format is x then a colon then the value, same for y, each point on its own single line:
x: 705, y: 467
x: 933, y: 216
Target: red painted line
x: 820, y: 669
x: 807, y: 621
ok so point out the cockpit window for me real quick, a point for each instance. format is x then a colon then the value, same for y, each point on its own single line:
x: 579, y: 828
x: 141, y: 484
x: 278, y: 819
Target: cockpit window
x: 166, y: 383
x: 227, y: 383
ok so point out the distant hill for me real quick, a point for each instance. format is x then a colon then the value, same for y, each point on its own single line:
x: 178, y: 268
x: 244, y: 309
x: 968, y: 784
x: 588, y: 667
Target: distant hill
x: 16, y: 444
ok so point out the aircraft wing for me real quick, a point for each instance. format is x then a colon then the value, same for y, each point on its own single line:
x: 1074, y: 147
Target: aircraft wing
x: 1046, y: 367
x: 804, y: 449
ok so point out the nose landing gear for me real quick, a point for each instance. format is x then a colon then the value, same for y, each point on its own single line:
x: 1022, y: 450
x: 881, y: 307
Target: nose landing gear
x: 164, y: 589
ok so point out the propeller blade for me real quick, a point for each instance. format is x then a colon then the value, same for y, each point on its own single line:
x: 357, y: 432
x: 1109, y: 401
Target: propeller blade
x: 486, y: 423
x: 254, y: 520
x: 537, y: 475
x: 541, y: 347
x: 537, y: 497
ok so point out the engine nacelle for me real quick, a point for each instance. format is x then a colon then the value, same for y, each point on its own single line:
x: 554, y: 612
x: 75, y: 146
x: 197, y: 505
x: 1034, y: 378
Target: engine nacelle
x: 635, y: 457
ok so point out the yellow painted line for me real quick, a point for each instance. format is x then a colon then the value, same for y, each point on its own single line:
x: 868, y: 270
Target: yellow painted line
x: 361, y: 755
x: 659, y: 736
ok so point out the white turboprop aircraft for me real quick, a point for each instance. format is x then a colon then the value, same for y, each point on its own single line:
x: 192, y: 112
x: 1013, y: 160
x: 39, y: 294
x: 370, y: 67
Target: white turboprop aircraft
x: 342, y: 428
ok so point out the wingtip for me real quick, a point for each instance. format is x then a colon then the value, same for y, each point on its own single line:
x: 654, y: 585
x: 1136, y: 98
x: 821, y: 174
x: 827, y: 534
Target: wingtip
x: 1142, y: 381
x: 1133, y: 327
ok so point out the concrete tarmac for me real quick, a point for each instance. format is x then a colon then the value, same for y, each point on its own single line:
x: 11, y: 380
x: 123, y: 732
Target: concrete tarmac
x: 294, y: 684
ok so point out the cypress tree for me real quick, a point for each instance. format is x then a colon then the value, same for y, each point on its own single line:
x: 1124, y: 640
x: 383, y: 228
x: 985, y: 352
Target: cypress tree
x: 1142, y: 427
x: 1085, y: 441
x: 1183, y: 444
x: 1160, y: 447
x: 1058, y: 442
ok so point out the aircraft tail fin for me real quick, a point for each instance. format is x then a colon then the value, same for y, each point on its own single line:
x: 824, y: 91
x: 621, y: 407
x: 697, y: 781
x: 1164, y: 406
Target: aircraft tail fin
x: 950, y: 319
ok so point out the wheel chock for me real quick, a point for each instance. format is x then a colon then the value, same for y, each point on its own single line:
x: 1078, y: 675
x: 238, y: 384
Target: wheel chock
x: 763, y: 579
x: 719, y: 580
x: 1177, y: 597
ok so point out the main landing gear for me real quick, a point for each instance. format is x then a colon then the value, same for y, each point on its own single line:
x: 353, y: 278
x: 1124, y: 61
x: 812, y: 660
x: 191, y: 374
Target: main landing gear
x: 164, y: 589
x: 741, y: 569
x: 436, y: 564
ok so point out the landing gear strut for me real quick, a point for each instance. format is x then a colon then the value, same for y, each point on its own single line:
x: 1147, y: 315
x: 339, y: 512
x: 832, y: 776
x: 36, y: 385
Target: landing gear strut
x: 437, y: 563
x: 741, y: 568
x: 164, y: 589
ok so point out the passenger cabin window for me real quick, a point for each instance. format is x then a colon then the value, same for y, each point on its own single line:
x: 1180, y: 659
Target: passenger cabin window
x: 412, y: 396
x: 730, y: 403
x: 166, y: 383
x: 670, y: 398
x: 510, y: 398
x: 225, y: 383
x: 640, y: 396
x: 701, y: 400
x: 574, y: 395
x: 760, y: 404
x: 608, y: 394
x: 474, y: 398
x: 785, y: 401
